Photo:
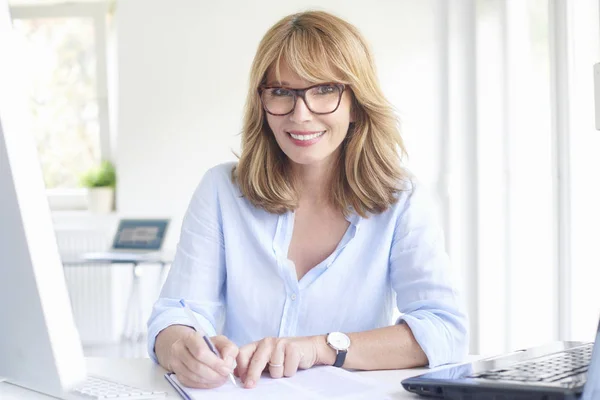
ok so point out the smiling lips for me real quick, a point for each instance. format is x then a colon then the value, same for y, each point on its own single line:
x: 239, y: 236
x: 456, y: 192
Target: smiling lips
x: 305, y: 138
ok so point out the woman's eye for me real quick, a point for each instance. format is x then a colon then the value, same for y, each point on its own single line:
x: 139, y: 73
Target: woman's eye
x: 326, y: 89
x: 280, y: 92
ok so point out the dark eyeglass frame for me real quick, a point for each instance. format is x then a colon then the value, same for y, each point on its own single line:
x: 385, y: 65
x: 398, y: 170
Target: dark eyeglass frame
x: 302, y: 93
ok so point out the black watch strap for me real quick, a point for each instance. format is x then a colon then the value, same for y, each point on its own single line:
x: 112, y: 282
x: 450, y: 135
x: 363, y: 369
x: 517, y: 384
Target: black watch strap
x: 340, y: 358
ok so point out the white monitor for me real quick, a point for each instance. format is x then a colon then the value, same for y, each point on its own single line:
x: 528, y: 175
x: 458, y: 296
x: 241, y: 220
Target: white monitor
x: 40, y: 348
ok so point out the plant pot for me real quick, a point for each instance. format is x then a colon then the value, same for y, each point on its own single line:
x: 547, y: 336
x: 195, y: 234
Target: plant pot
x: 101, y: 200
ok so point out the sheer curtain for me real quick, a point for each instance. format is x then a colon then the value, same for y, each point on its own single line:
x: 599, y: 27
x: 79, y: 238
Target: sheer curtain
x: 519, y: 187
x: 584, y: 305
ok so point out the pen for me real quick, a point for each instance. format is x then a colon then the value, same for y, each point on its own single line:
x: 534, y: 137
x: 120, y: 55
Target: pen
x: 199, y: 329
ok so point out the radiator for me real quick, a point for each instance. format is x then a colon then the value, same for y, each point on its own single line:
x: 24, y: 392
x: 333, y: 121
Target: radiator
x: 100, y: 293
x: 95, y: 290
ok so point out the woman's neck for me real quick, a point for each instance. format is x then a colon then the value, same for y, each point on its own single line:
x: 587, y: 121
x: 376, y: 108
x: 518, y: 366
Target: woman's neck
x: 315, y: 181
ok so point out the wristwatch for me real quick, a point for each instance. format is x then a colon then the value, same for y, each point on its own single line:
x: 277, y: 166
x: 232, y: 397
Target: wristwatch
x: 340, y: 343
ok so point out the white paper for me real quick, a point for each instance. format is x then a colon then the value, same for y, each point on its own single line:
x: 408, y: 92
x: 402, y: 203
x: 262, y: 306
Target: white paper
x: 316, y: 383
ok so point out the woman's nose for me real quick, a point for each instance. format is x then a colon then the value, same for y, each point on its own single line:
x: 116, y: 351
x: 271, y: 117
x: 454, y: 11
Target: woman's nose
x: 301, y: 112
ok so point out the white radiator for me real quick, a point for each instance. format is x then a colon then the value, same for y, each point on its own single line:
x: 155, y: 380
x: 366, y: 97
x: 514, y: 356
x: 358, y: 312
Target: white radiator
x: 93, y: 288
x: 100, y: 293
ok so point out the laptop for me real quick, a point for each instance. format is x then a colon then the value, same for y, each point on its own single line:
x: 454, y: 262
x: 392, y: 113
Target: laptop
x: 561, y: 370
x: 134, y: 240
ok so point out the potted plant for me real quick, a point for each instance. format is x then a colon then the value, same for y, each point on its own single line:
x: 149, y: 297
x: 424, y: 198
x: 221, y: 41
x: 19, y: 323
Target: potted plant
x: 100, y: 181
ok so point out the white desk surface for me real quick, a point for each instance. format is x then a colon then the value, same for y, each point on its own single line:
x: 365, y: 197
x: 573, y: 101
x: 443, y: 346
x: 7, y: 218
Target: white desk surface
x: 143, y: 373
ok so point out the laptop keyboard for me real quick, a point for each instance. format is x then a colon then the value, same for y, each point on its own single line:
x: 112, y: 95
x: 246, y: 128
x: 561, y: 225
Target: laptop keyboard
x: 552, y: 368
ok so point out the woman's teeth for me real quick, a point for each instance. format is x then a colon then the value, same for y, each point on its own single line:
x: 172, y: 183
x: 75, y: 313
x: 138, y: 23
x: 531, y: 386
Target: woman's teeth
x: 307, y: 137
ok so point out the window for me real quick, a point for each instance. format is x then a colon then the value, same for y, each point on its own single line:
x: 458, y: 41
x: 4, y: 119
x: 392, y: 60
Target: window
x: 524, y: 211
x: 515, y: 169
x: 64, y: 56
x: 583, y: 307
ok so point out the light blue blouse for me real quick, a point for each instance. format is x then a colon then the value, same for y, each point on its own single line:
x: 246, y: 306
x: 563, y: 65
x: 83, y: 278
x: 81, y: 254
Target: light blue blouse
x: 231, y: 267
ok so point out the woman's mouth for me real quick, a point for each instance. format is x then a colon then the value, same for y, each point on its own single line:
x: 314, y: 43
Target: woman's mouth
x: 305, y: 138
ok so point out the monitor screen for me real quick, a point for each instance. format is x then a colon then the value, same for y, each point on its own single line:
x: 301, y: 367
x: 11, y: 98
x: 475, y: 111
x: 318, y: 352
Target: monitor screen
x: 138, y: 234
x: 39, y: 343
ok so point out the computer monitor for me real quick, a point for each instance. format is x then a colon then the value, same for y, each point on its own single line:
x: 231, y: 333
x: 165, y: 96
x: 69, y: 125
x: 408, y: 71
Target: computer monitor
x: 40, y: 348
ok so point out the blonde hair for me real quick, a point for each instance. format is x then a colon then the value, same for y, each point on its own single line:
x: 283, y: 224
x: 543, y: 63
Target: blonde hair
x: 320, y: 47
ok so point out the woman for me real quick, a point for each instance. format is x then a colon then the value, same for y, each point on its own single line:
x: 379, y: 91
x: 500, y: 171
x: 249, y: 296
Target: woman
x: 297, y: 253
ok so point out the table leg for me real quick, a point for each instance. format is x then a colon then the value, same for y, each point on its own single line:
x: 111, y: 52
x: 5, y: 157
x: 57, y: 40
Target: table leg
x: 132, y: 331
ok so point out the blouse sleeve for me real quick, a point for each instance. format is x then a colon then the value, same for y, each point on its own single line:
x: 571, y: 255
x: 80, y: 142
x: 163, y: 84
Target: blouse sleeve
x: 421, y: 278
x: 197, y: 273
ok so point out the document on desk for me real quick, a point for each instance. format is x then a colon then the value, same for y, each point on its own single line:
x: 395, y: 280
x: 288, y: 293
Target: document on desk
x: 315, y: 384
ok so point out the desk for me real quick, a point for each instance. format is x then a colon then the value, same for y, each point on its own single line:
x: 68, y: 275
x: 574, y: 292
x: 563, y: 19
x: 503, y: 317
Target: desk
x: 143, y: 373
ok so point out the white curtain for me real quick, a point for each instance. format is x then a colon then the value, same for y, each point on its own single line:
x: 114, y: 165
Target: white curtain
x: 518, y: 185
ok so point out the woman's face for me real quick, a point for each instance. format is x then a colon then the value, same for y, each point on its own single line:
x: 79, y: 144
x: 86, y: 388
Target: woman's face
x: 325, y: 132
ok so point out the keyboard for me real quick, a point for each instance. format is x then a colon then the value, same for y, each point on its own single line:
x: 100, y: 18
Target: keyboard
x: 101, y: 388
x: 551, y: 368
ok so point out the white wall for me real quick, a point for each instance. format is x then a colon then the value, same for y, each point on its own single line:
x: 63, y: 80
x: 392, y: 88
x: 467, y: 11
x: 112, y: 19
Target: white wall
x: 183, y: 67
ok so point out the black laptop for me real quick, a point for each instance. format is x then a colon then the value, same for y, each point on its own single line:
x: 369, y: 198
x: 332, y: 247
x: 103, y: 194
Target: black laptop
x: 553, y: 372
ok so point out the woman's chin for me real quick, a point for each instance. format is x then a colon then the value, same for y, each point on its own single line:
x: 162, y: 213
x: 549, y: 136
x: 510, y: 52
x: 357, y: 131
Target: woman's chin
x: 307, y: 160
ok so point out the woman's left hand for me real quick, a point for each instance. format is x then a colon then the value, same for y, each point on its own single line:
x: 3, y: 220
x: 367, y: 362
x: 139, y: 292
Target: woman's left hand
x: 281, y: 356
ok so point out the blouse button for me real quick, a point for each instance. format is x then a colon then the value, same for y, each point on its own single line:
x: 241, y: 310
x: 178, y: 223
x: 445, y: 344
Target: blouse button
x: 293, y: 297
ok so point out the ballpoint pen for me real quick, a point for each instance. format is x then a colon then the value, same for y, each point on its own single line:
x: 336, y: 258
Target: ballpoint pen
x: 199, y: 329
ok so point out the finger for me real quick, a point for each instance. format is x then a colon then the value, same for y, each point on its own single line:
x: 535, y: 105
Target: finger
x: 277, y: 359
x: 243, y: 359
x: 293, y: 355
x: 178, y: 352
x: 228, y: 350
x: 182, y: 362
x: 259, y: 361
x: 192, y: 379
x: 179, y: 368
x: 207, y: 373
x: 200, y: 351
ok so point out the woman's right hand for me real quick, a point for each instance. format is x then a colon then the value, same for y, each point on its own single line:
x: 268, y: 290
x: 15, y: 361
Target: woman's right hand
x: 195, y: 365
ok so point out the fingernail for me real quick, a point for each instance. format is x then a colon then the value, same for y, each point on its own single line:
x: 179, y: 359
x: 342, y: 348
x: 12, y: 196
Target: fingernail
x: 249, y: 383
x: 224, y: 371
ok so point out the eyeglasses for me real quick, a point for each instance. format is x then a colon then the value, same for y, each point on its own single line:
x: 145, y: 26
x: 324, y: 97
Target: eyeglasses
x: 320, y: 99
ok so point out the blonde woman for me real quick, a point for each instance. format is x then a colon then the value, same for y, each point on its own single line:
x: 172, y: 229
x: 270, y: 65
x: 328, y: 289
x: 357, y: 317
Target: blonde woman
x: 297, y: 255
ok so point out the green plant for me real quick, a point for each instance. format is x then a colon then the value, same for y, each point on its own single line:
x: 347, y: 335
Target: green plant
x: 103, y: 175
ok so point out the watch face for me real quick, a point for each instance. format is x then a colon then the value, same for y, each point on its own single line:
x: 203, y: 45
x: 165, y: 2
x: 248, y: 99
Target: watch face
x: 338, y: 340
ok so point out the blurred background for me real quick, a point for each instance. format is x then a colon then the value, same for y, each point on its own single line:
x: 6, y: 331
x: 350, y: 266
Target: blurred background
x: 495, y: 98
